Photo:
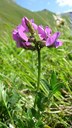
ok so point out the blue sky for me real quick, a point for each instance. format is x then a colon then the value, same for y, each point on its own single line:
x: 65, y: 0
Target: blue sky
x: 57, y: 6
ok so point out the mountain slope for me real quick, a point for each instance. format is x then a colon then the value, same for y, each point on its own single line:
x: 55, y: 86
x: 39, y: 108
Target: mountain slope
x: 11, y: 15
x: 68, y: 17
x: 47, y: 17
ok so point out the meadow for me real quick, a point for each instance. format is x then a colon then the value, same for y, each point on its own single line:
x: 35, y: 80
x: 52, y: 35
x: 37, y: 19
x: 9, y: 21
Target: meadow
x: 19, y: 74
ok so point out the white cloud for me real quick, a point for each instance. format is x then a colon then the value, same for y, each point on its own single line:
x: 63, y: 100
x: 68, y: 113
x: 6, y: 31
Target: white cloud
x: 64, y: 2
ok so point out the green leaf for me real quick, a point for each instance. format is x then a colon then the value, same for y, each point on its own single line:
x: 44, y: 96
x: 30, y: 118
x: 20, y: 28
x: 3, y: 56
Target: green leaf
x: 45, y: 86
x: 53, y: 80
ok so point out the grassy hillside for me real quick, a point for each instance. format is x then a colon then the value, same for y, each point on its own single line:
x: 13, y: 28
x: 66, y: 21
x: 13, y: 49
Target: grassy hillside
x: 47, y: 17
x: 11, y: 14
x: 23, y: 104
x: 68, y: 17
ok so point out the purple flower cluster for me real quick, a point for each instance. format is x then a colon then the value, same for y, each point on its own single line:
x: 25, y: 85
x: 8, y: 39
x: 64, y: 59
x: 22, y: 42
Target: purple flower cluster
x: 25, y: 35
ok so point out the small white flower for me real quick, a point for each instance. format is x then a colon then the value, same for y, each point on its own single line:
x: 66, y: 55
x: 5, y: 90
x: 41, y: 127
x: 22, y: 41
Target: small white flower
x: 30, y: 97
x: 11, y: 126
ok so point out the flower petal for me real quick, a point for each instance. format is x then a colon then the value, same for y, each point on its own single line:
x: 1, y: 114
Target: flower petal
x: 22, y: 34
x: 32, y: 20
x: 27, y: 44
x: 58, y: 43
x: 15, y: 35
x: 34, y: 26
x: 50, y: 41
x: 23, y: 44
x: 41, y: 32
x: 48, y: 31
x: 24, y: 20
x: 20, y: 27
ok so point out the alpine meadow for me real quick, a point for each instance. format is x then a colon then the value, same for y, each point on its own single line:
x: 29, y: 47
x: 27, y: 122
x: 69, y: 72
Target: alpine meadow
x: 35, y: 68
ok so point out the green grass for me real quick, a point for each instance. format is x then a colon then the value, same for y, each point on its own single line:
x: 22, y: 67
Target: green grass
x: 18, y: 78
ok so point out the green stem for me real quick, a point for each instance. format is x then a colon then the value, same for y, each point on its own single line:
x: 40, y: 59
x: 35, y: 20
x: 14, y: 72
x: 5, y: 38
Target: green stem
x: 9, y: 115
x: 3, y: 124
x: 39, y: 70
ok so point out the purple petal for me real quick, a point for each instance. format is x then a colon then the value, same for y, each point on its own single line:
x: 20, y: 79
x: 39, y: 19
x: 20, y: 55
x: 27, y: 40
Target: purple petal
x: 22, y: 34
x: 34, y: 26
x: 40, y: 29
x: 27, y: 44
x: 58, y: 43
x: 56, y: 35
x: 20, y: 27
x: 15, y: 35
x: 41, y: 32
x: 48, y: 31
x: 50, y: 41
x: 24, y: 20
x: 23, y: 44
x: 32, y: 20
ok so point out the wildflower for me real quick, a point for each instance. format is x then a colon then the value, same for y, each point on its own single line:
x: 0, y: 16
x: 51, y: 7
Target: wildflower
x: 20, y: 33
x: 30, y: 36
x: 44, y: 33
x: 20, y: 37
x: 59, y: 20
x: 11, y: 126
x: 51, y: 40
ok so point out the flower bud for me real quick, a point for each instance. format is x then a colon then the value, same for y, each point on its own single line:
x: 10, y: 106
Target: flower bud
x: 29, y: 25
